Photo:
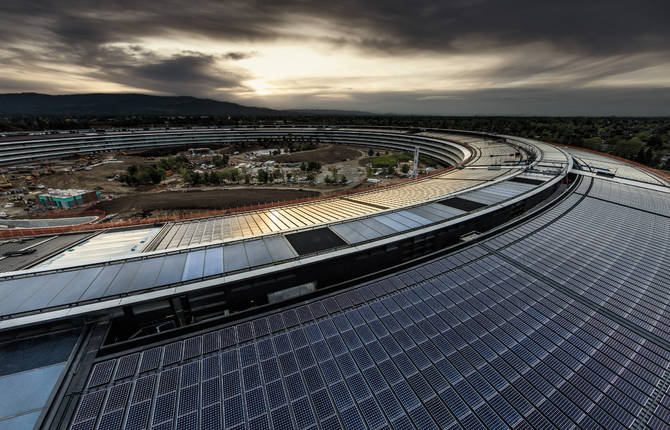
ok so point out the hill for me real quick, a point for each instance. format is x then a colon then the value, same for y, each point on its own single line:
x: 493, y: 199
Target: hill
x: 121, y: 104
x: 325, y: 112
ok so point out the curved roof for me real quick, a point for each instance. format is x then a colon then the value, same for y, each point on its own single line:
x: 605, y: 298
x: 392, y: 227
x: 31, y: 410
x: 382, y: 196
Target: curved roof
x: 210, y: 249
x: 562, y: 321
x: 559, y: 319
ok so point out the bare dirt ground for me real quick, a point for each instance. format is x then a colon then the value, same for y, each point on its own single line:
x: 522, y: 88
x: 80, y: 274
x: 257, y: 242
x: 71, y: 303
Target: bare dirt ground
x: 324, y: 154
x: 96, y: 178
x: 363, y: 162
x: 173, y: 196
x: 191, y: 201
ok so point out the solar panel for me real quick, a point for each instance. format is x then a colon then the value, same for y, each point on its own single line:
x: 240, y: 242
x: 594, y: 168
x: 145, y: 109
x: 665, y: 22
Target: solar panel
x: 211, y: 417
x: 127, y: 366
x: 190, y: 374
x: 118, y: 396
x: 278, y: 248
x: 102, y: 373
x: 257, y: 253
x: 90, y: 406
x: 195, y: 263
x: 233, y: 412
x: 151, y: 359
x: 462, y: 204
x: 312, y: 241
x: 192, y: 347
x: 138, y: 416
x: 188, y: 400
x: 147, y: 274
x: 111, y: 421
x: 172, y: 353
x: 169, y: 380
x: 144, y: 388
x: 213, y: 261
x: 210, y: 342
x: 235, y: 257
x: 164, y: 408
x: 172, y: 269
x: 211, y: 392
x: 281, y: 418
x: 76, y: 287
x: 123, y: 278
x: 507, y: 333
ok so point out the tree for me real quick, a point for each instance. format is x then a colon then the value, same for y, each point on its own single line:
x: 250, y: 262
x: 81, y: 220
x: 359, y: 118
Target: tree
x: 220, y: 161
x: 143, y: 175
x: 173, y: 163
x: 231, y: 174
x: 158, y: 175
x: 655, y: 141
x: 405, y: 168
x: 645, y: 157
x: 277, y: 174
x: 628, y: 148
x: 263, y: 176
x: 333, y: 172
x: 194, y: 178
x: 594, y: 143
x: 214, y: 178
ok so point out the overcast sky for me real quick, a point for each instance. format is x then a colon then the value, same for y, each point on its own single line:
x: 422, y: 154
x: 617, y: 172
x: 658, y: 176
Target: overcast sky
x: 450, y: 57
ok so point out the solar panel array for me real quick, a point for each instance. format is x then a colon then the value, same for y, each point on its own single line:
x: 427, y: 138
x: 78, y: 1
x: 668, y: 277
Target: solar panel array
x: 558, y: 323
x: 50, y: 290
x: 103, y: 247
x: 596, y: 162
x: 630, y: 195
x: 372, y: 228
x: 660, y: 418
x: 487, y: 151
x: 431, y: 188
x: 80, y: 285
x: 261, y: 222
x: 310, y: 214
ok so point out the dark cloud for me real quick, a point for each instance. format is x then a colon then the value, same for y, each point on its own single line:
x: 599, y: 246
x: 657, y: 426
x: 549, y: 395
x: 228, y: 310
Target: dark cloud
x: 189, y: 73
x: 236, y: 56
x: 613, y: 26
x: 566, y: 44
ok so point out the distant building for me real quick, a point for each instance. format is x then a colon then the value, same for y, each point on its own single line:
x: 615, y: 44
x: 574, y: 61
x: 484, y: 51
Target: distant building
x: 65, y: 199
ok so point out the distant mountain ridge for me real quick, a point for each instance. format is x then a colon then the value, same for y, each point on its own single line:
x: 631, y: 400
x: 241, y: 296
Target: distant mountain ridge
x: 135, y: 104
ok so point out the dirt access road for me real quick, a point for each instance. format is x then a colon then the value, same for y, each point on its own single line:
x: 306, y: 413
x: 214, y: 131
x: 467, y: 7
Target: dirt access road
x: 200, y: 200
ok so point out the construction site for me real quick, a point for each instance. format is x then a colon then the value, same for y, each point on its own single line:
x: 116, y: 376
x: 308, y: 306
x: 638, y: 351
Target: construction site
x: 189, y: 180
